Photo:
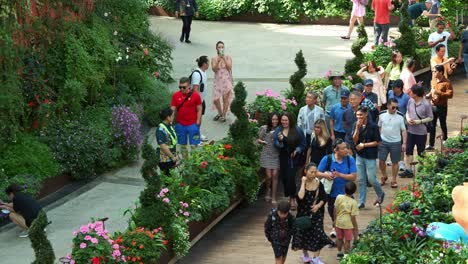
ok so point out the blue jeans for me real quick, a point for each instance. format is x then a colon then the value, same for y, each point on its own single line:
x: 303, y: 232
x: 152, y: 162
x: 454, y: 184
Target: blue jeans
x: 367, y: 169
x: 465, y: 61
x: 381, y: 30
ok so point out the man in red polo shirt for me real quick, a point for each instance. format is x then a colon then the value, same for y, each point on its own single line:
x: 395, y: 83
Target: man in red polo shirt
x: 382, y: 10
x: 187, y: 105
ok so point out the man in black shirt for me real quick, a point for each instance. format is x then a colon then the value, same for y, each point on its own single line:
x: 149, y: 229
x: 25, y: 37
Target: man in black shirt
x: 366, y: 137
x: 23, y: 208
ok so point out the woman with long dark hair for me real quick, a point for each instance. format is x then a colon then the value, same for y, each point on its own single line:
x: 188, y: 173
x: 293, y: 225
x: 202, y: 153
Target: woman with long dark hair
x: 269, y: 158
x: 290, y: 141
x: 320, y: 143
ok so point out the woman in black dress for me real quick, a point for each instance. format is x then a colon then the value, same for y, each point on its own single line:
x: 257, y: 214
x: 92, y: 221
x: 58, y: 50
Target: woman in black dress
x: 320, y: 143
x: 311, y: 201
x: 290, y: 141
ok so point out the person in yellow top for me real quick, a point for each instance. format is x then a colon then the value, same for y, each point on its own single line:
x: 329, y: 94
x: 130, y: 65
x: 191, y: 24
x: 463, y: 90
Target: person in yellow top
x: 440, y: 59
x: 346, y: 210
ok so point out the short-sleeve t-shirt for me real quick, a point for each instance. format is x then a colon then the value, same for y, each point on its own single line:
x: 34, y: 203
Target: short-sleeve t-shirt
x: 389, y: 125
x: 338, y: 186
x: 382, y: 14
x: 196, y: 81
x: 464, y: 40
x: 163, y: 137
x: 416, y: 10
x: 368, y: 133
x: 402, y: 101
x: 345, y: 207
x: 393, y: 71
x: 331, y: 96
x: 435, y: 36
x: 25, y: 205
x: 187, y: 114
x: 336, y: 114
x: 424, y: 110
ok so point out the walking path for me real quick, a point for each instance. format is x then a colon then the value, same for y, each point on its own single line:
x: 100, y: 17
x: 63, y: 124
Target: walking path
x: 263, y: 57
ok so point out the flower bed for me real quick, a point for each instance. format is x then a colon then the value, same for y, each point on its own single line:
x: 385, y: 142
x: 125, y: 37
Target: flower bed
x: 401, y: 235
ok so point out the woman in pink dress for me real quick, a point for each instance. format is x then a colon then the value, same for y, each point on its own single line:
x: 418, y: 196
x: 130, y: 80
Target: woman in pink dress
x: 358, y: 13
x: 222, y: 88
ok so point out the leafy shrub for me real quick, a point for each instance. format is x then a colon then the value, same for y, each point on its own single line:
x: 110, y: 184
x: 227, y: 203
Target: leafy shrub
x: 406, y: 43
x: 27, y: 162
x: 43, y: 250
x: 381, y: 55
x: 141, y: 244
x: 297, y: 85
x: 352, y: 66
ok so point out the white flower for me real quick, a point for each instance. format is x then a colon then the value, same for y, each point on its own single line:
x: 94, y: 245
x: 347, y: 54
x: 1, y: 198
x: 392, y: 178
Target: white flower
x: 128, y: 49
x: 106, y: 14
x: 126, y: 57
x: 115, y: 33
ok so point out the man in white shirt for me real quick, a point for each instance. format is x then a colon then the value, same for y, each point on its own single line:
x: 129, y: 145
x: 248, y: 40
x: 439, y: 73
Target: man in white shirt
x: 440, y: 36
x: 198, y: 82
x: 308, y: 114
x: 391, y: 122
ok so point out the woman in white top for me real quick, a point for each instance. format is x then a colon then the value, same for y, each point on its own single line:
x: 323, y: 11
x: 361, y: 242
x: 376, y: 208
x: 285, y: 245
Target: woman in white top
x: 407, y: 76
x: 375, y: 73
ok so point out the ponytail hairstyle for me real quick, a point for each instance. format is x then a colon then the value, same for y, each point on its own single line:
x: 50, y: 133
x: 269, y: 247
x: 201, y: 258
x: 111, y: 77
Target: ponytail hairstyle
x: 202, y: 60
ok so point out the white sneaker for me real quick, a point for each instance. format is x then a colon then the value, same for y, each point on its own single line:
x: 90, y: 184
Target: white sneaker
x: 402, y: 166
x: 333, y: 233
x: 203, y: 137
x: 389, y: 163
x: 23, y: 234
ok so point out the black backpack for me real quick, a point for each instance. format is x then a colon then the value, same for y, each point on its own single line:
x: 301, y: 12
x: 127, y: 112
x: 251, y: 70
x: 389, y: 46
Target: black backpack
x: 329, y: 162
x: 201, y: 85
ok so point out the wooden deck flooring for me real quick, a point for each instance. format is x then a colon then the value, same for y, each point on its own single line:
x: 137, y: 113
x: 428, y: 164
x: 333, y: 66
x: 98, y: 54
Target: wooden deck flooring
x: 239, y: 238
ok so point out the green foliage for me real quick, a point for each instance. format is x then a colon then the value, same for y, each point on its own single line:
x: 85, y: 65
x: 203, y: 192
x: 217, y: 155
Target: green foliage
x: 406, y: 43
x: 42, y: 247
x: 242, y: 134
x: 381, y: 55
x: 268, y: 102
x: 297, y: 86
x: 140, y: 243
x: 352, y: 66
x: 423, y: 56
x: 400, y: 236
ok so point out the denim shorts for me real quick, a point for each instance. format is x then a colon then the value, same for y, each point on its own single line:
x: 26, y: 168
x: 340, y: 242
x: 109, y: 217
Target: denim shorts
x: 191, y: 131
x: 394, y: 148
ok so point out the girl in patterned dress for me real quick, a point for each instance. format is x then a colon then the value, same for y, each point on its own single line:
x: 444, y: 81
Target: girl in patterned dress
x: 311, y: 201
x: 269, y: 158
x: 222, y: 86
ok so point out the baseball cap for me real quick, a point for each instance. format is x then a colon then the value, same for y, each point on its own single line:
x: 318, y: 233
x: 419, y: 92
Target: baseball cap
x: 429, y: 1
x: 368, y: 82
x: 358, y: 87
x: 344, y: 93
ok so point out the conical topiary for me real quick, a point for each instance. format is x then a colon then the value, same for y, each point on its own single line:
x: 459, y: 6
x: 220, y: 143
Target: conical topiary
x: 42, y: 247
x: 297, y: 86
x: 406, y: 44
x: 352, y: 66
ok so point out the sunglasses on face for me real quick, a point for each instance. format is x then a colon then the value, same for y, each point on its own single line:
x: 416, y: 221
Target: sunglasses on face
x: 394, y: 107
x: 182, y: 86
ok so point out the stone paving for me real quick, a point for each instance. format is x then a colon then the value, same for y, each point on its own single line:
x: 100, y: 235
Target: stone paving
x: 263, y: 57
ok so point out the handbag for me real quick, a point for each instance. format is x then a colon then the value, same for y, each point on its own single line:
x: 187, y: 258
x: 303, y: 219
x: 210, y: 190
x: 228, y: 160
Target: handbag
x: 305, y: 222
x: 428, y: 124
x: 327, y: 185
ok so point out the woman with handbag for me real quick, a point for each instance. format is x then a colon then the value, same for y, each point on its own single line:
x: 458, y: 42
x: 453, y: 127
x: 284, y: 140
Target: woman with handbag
x: 375, y: 73
x: 290, y: 141
x: 222, y: 84
x: 310, y: 236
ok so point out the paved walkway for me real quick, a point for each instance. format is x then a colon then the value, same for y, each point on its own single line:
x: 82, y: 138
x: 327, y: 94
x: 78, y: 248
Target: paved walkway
x: 263, y: 57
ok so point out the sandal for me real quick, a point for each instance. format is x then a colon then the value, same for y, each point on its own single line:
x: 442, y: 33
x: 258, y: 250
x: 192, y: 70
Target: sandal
x: 394, y: 184
x: 216, y: 117
x: 383, y: 180
x: 222, y: 119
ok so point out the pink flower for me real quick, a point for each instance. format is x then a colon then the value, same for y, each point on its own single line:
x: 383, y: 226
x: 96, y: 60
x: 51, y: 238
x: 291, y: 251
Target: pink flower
x: 72, y: 261
x: 166, y: 200
x: 258, y: 93
x: 75, y: 233
x: 83, y: 245
x: 156, y: 74
x: 91, y: 225
x: 186, y: 214
x: 350, y: 77
x: 116, y: 253
x: 84, y: 229
x: 87, y: 237
x: 185, y: 205
x: 165, y: 190
x: 115, y: 246
x: 94, y: 240
x: 283, y: 105
x: 328, y: 73
x: 146, y: 52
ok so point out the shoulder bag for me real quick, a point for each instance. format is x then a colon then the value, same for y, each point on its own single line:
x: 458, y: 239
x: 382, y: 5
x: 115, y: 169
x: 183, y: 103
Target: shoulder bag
x: 305, y: 222
x: 428, y: 125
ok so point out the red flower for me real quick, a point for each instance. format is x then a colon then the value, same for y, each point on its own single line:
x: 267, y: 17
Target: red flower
x: 142, y: 247
x: 46, y: 101
x: 415, y: 211
x: 37, y: 96
x: 182, y: 184
x: 31, y: 104
x: 404, y: 237
x: 96, y: 260
x: 227, y: 146
x: 203, y: 164
x: 156, y: 74
x: 164, y: 242
x: 226, y: 158
x: 416, y: 194
x: 146, y: 52
x: 414, y: 229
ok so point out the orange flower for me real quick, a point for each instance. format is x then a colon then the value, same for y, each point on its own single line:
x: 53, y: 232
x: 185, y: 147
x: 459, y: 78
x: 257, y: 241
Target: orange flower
x: 138, y: 258
x: 226, y: 158
x: 220, y: 157
x: 227, y: 146
x: 142, y: 247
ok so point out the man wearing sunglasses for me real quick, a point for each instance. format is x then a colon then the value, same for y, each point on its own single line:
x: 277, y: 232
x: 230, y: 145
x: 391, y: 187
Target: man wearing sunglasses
x: 187, y: 105
x: 391, y: 121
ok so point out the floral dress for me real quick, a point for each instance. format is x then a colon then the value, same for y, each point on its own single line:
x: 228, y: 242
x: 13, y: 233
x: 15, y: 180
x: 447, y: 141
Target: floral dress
x: 222, y: 84
x: 359, y: 10
x: 314, y: 238
x: 269, y: 158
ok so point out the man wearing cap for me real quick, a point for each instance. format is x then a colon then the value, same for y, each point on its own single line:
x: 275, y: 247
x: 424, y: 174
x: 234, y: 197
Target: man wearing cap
x: 418, y: 9
x: 336, y: 116
x: 372, y: 107
x: 331, y: 94
x: 398, y: 94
